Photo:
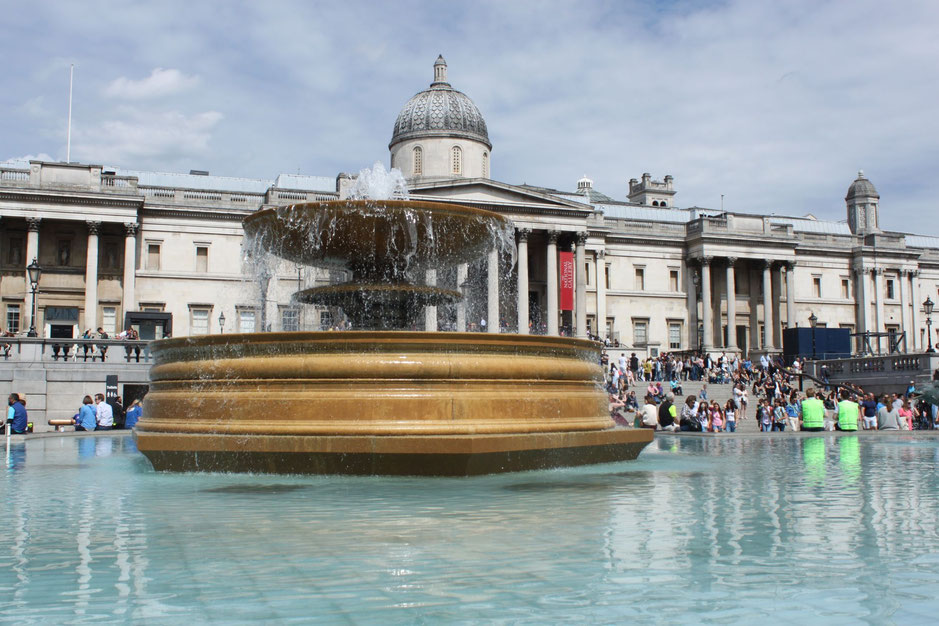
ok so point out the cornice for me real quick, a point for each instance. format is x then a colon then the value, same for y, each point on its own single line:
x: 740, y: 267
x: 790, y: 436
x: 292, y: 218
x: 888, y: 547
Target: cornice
x: 129, y: 202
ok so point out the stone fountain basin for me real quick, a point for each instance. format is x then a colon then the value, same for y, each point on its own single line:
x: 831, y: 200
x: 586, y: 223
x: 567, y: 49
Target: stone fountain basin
x: 378, y: 403
x: 374, y: 234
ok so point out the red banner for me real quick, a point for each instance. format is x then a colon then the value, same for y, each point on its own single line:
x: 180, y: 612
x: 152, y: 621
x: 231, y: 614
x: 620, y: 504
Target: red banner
x: 567, y: 281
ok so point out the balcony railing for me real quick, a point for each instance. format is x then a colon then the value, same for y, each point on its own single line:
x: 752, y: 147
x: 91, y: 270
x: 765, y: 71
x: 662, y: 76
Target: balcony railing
x: 86, y: 351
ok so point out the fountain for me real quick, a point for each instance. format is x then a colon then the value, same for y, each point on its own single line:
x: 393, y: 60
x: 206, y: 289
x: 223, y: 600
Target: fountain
x: 380, y: 399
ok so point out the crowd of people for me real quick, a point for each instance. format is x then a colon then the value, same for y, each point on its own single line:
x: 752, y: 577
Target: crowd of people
x: 93, y: 414
x: 778, y: 405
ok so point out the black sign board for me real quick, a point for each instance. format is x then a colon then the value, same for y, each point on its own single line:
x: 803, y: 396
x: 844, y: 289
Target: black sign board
x: 110, y: 388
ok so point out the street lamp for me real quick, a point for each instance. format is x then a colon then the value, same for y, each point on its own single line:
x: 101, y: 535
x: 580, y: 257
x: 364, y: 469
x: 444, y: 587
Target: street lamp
x: 221, y: 321
x: 927, y: 307
x: 813, y: 322
x: 34, y: 272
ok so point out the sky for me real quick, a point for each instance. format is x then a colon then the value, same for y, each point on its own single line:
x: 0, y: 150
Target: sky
x: 774, y: 104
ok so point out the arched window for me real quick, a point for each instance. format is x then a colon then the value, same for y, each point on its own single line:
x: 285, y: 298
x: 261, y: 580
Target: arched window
x: 457, y: 160
x: 418, y: 161
x: 655, y: 203
x: 663, y: 203
x: 485, y: 165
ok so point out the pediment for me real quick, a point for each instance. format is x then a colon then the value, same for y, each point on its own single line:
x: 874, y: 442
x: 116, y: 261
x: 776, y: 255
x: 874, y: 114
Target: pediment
x: 484, y: 191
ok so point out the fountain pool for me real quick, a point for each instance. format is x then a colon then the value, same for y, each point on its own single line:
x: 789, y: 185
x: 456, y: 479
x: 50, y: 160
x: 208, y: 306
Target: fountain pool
x: 822, y: 529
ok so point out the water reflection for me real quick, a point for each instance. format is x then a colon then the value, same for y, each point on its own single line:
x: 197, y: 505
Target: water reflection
x: 833, y: 528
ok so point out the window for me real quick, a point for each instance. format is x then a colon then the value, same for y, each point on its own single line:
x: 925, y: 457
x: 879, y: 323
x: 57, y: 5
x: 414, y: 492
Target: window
x: 153, y: 307
x: 640, y: 279
x: 109, y: 319
x: 153, y: 256
x: 13, y: 318
x: 418, y: 161
x: 485, y: 165
x: 762, y: 336
x: 246, y: 319
x: 673, y: 280
x: 845, y: 288
x: 326, y: 320
x: 640, y: 332
x: 674, y: 336
x: 890, y: 289
x: 817, y: 286
x: 457, y: 160
x: 290, y: 320
x: 199, y: 322
x: 606, y: 270
x: 587, y: 272
x: 202, y: 259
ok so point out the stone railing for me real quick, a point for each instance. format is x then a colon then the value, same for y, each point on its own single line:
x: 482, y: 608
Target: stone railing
x: 286, y: 196
x: 200, y: 197
x: 89, y: 351
x: 879, y: 371
x: 109, y: 181
x: 9, y: 174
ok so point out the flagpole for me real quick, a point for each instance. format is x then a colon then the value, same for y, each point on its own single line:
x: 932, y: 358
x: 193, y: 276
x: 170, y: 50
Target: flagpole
x: 68, y: 139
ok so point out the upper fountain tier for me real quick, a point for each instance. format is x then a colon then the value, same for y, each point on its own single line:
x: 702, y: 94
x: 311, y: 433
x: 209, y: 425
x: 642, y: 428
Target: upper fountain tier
x: 376, y: 238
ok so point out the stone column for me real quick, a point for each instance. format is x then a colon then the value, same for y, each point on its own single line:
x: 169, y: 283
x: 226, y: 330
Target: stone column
x: 430, y: 311
x: 462, y: 270
x: 706, y: 310
x: 731, y: 344
x: 91, y: 277
x: 914, y: 288
x: 791, y: 295
x: 692, y: 304
x: 860, y: 297
x: 600, y: 264
x: 523, y: 280
x: 130, y: 269
x: 580, y: 287
x: 879, y: 304
x: 32, y: 252
x: 777, y: 309
x: 492, y: 274
x: 768, y: 306
x: 904, y: 306
x: 552, y: 306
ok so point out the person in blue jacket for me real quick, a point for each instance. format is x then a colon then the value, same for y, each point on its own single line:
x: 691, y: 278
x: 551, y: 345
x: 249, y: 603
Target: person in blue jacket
x: 20, y: 417
x: 133, y: 414
x: 87, y: 416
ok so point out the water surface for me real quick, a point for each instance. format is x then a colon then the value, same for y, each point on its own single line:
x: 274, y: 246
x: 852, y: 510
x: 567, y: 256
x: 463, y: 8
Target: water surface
x: 726, y: 530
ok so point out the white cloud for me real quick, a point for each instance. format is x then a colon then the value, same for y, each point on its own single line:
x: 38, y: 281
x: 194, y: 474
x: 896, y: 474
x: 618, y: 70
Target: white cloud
x: 155, y: 140
x: 160, y: 83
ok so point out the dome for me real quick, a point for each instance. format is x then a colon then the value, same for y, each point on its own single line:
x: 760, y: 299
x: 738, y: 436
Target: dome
x: 861, y: 188
x: 440, y: 111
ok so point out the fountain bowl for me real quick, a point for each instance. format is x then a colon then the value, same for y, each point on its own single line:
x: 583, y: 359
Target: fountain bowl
x: 374, y: 236
x: 379, y: 402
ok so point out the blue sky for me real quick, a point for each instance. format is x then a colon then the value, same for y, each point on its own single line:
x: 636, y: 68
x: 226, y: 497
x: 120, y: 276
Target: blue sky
x: 776, y: 105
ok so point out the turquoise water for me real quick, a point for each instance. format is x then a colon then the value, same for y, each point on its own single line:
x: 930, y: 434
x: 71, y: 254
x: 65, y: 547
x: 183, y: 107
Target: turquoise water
x: 727, y: 530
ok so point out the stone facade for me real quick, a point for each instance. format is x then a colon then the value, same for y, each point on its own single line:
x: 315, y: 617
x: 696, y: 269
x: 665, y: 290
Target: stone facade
x: 163, y: 253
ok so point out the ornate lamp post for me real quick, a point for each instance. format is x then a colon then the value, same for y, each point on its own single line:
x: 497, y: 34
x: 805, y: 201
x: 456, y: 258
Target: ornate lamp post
x: 927, y: 307
x: 221, y: 322
x: 813, y: 322
x: 34, y: 272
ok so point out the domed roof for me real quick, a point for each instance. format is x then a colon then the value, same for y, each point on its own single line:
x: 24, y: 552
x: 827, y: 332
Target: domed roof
x: 861, y: 187
x: 440, y: 111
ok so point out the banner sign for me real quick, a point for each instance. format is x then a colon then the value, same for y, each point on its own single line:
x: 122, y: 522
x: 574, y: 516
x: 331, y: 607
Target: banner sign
x: 567, y: 281
x: 110, y: 388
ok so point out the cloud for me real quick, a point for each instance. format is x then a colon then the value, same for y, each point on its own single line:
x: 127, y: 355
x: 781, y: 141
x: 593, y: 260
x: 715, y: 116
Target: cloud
x: 160, y: 83
x: 154, y: 140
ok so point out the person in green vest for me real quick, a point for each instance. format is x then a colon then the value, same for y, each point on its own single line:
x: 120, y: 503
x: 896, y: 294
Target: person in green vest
x: 813, y: 412
x: 848, y: 413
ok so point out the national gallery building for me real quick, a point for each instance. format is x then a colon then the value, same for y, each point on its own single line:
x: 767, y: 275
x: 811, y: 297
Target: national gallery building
x: 163, y: 253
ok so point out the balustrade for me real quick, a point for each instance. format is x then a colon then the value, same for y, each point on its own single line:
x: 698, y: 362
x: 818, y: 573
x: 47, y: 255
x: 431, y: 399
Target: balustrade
x: 85, y: 351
